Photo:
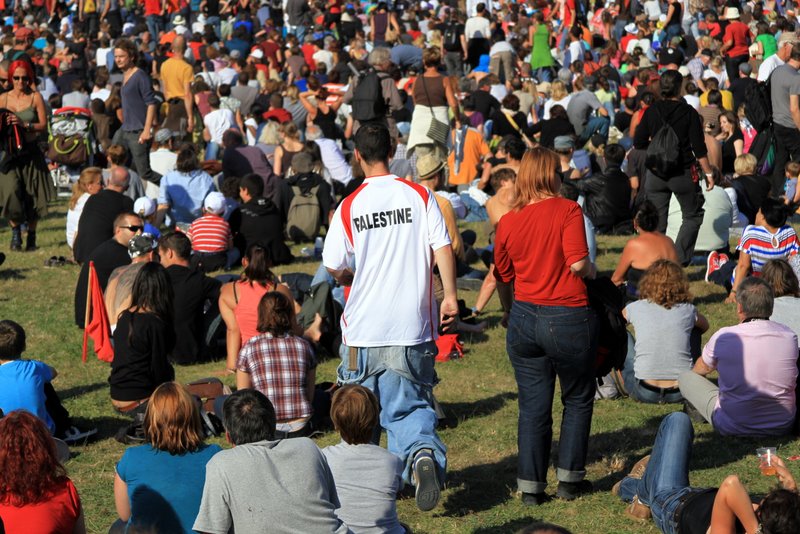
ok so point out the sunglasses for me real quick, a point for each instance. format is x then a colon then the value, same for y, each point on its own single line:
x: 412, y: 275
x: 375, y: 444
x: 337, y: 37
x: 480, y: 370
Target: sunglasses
x: 21, y: 78
x: 134, y: 228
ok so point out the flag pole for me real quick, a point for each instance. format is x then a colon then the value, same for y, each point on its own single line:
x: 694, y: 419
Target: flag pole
x: 88, y: 311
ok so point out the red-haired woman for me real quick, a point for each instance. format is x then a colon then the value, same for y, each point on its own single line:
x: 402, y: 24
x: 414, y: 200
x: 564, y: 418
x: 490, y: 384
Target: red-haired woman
x: 551, y: 329
x: 25, y: 184
x: 36, y: 497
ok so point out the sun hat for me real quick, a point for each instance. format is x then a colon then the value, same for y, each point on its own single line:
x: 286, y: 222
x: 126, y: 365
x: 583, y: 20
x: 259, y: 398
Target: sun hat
x: 428, y: 165
x: 731, y: 13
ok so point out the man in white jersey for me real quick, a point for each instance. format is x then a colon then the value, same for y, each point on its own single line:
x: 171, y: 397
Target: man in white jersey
x: 382, y: 242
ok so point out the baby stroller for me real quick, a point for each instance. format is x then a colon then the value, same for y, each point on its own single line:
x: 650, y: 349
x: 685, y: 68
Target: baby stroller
x: 71, y: 144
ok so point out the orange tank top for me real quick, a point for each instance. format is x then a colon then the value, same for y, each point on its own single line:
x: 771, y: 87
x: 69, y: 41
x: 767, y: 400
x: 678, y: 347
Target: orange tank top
x: 246, y: 311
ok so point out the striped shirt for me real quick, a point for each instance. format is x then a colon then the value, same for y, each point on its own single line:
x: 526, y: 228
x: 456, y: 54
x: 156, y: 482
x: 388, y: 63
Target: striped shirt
x: 762, y: 246
x: 278, y: 367
x: 209, y: 233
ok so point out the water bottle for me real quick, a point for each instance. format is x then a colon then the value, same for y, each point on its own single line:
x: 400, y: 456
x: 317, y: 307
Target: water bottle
x: 318, y: 243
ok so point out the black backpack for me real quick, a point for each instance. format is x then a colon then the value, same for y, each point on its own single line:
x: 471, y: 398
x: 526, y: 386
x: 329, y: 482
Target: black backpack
x: 607, y: 301
x: 663, y: 156
x: 758, y: 105
x: 368, y: 102
x: 451, y: 39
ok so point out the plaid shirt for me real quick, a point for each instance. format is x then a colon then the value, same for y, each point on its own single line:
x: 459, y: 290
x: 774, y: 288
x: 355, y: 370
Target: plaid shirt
x: 278, y: 367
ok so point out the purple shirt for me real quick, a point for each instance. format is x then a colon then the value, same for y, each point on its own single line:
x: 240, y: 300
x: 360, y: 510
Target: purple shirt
x: 757, y: 365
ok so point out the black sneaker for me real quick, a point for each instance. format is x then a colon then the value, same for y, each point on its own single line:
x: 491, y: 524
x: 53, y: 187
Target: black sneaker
x: 534, y: 499
x: 569, y: 491
x: 427, y: 484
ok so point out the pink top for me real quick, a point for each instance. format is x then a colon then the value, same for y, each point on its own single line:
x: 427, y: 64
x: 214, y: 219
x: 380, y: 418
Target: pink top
x: 246, y: 311
x: 757, y: 365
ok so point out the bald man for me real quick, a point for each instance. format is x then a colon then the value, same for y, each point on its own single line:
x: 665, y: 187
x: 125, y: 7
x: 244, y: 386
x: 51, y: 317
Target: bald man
x: 176, y: 79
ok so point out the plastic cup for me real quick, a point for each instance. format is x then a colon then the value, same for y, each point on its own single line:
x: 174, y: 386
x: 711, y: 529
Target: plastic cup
x: 765, y: 456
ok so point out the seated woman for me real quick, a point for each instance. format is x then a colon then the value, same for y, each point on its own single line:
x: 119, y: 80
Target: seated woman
x: 668, y: 329
x: 770, y: 238
x: 239, y: 300
x: 158, y: 486
x: 643, y: 250
x: 39, y: 498
x: 658, y: 485
x: 89, y: 183
x: 280, y: 365
x: 783, y: 281
x: 367, y: 503
x: 143, y: 338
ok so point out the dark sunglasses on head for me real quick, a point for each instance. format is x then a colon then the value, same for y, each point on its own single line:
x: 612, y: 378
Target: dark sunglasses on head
x: 21, y: 78
x: 133, y: 228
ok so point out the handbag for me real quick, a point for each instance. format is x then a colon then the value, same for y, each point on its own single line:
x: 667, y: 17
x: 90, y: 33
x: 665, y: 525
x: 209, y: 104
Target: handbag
x: 71, y: 151
x: 437, y: 130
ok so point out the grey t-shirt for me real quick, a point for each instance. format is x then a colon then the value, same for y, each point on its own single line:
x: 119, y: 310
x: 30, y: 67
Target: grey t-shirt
x: 580, y: 106
x: 269, y: 486
x: 367, y: 480
x: 662, y: 339
x: 786, y: 311
x: 785, y: 81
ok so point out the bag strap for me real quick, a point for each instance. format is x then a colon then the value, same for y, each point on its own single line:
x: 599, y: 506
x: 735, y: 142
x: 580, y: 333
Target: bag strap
x: 425, y: 88
x: 514, y: 125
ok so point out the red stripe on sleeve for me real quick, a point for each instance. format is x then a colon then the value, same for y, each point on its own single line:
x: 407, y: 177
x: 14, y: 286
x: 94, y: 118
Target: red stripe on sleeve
x: 346, y: 218
x: 421, y: 191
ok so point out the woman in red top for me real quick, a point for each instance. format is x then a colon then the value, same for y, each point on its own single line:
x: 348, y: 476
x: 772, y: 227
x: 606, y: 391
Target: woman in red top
x: 39, y: 498
x: 551, y: 329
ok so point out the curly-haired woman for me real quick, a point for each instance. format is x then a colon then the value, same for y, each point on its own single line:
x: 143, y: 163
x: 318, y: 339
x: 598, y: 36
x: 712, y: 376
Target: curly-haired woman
x: 668, y: 327
x: 40, y: 498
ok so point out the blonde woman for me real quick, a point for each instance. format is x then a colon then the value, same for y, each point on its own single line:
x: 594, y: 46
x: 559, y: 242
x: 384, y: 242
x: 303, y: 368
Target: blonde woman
x: 289, y: 146
x: 89, y: 183
x: 558, y: 97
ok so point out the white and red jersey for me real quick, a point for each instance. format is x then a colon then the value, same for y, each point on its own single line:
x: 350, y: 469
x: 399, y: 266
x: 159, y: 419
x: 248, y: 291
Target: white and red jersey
x: 386, y: 232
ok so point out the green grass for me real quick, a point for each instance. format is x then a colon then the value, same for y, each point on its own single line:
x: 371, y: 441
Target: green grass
x: 479, y: 391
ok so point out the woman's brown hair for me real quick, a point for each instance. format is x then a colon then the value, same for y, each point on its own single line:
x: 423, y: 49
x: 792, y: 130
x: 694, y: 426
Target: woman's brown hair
x: 275, y: 314
x: 537, y: 177
x: 172, y: 420
x: 665, y: 283
x: 89, y: 176
x: 355, y: 412
x: 781, y: 278
x: 431, y: 57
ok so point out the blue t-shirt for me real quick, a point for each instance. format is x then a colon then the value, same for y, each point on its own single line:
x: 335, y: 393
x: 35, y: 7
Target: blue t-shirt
x: 164, y: 489
x: 22, y: 388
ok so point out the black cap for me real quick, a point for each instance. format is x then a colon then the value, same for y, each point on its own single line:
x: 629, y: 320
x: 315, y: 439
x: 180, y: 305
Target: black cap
x: 670, y: 56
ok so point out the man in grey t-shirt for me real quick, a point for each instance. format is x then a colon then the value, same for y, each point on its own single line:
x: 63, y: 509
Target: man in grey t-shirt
x: 261, y: 485
x: 785, y: 96
x: 579, y: 110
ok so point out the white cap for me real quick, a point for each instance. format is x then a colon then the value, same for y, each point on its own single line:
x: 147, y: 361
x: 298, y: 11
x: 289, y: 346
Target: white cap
x: 144, y: 206
x: 215, y: 203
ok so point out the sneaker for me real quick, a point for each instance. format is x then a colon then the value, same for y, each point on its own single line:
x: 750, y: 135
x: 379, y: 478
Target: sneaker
x: 637, y: 472
x: 569, y: 491
x: 74, y: 435
x: 714, y: 261
x: 427, y: 484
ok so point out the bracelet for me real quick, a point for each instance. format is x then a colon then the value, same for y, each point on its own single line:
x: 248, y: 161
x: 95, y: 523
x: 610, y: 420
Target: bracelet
x: 733, y: 291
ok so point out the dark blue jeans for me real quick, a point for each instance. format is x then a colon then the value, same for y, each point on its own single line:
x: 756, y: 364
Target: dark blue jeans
x: 544, y: 342
x: 666, y: 478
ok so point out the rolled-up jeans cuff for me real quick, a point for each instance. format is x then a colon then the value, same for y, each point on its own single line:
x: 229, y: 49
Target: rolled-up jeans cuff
x: 529, y: 486
x: 569, y: 476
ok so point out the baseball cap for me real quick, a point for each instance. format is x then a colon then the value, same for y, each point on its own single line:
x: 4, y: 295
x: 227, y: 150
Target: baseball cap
x: 214, y: 203
x: 563, y: 142
x: 163, y: 135
x: 235, y: 54
x: 670, y: 56
x: 257, y: 53
x: 144, y: 206
x: 141, y: 244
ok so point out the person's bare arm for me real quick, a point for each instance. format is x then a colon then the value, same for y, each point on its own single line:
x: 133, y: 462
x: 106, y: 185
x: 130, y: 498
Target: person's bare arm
x: 732, y: 503
x: 742, y: 271
x: 726, y: 46
x: 233, y: 336
x: 121, y: 502
x: 161, y: 213
x: 41, y: 115
x: 277, y: 165
x: 584, y: 268
x: 625, y: 261
x: 452, y: 101
x: 701, y: 323
x: 701, y: 368
x: 343, y: 276
x: 243, y: 380
x: 445, y: 260
x: 506, y: 294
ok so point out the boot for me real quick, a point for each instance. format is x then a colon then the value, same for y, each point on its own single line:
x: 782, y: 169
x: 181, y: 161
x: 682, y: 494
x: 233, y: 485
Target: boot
x: 30, y: 240
x: 16, y: 238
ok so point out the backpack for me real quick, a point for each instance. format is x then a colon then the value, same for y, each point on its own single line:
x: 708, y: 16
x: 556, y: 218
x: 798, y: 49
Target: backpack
x: 451, y: 39
x: 663, y: 156
x: 758, y: 105
x: 607, y: 301
x: 302, y: 223
x: 368, y: 102
x: 763, y: 148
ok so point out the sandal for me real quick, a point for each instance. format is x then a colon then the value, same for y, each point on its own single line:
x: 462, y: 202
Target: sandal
x: 55, y: 261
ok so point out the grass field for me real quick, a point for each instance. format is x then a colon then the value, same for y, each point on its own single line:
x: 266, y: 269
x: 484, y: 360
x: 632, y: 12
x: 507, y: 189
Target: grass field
x: 478, y: 391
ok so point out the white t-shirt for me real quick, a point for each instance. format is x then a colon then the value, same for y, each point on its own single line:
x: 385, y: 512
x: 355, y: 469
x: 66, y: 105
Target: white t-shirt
x: 477, y: 27
x: 576, y: 50
x: 334, y: 161
x: 102, y: 56
x: 73, y: 216
x: 102, y: 94
x: 163, y: 161
x: 217, y: 122
x: 766, y: 68
x: 386, y: 232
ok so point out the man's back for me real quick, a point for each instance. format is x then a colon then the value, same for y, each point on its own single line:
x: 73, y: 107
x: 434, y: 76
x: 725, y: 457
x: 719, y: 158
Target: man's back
x: 192, y: 289
x: 97, y: 221
x: 784, y: 81
x: 260, y: 221
x: 175, y: 74
x: 247, y: 96
x: 269, y: 486
x: 757, y: 365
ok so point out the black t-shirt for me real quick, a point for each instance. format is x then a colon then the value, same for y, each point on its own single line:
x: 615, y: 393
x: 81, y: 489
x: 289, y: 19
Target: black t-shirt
x: 485, y: 103
x: 729, y: 151
x: 141, y: 344
x: 260, y: 221
x: 192, y: 290
x: 552, y: 128
x: 756, y: 189
x: 97, y: 221
x: 106, y: 257
x: 738, y: 89
x: 695, y: 517
x: 459, y: 31
x: 622, y: 121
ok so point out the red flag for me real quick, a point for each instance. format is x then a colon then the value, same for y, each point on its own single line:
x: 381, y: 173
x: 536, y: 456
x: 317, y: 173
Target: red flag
x: 98, y: 328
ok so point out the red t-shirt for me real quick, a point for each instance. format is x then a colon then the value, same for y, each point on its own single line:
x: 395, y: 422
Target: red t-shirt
x: 739, y: 33
x: 270, y: 49
x: 54, y: 516
x: 534, y: 248
x: 308, y: 54
x: 152, y: 7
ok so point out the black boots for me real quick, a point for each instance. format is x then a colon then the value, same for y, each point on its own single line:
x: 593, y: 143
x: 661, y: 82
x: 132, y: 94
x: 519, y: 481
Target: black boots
x: 16, y: 238
x: 30, y: 240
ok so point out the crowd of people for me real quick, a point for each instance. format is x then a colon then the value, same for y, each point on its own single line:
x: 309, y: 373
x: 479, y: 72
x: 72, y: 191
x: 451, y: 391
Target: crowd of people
x: 203, y: 139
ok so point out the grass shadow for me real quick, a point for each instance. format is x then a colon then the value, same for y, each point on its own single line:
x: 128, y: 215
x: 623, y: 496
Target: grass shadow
x: 77, y: 391
x: 13, y: 274
x: 711, y: 298
x: 511, y: 526
x: 712, y: 451
x: 480, y: 487
x: 461, y: 411
x: 106, y: 426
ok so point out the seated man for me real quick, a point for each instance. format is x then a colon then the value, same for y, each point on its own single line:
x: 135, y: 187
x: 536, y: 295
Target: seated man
x: 118, y: 291
x: 239, y: 159
x: 192, y: 290
x: 264, y: 485
x: 757, y: 365
x: 96, y: 224
x: 608, y: 195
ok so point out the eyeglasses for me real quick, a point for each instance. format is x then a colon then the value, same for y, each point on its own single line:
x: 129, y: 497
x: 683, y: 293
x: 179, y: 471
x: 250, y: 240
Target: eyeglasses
x: 21, y: 78
x: 134, y: 228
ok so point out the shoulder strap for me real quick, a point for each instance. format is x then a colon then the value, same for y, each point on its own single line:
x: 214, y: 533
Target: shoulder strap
x: 235, y: 294
x: 425, y: 88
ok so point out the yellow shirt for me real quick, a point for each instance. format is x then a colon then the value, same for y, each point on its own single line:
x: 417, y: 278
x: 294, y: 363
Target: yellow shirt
x: 475, y: 148
x: 175, y: 74
x: 727, y: 100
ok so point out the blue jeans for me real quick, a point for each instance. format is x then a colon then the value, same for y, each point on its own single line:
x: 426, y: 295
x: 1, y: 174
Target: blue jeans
x: 596, y: 125
x: 544, y: 342
x: 212, y: 151
x: 634, y: 387
x: 299, y: 31
x: 402, y: 378
x: 155, y: 24
x: 322, y: 275
x: 666, y: 478
x: 475, y: 212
